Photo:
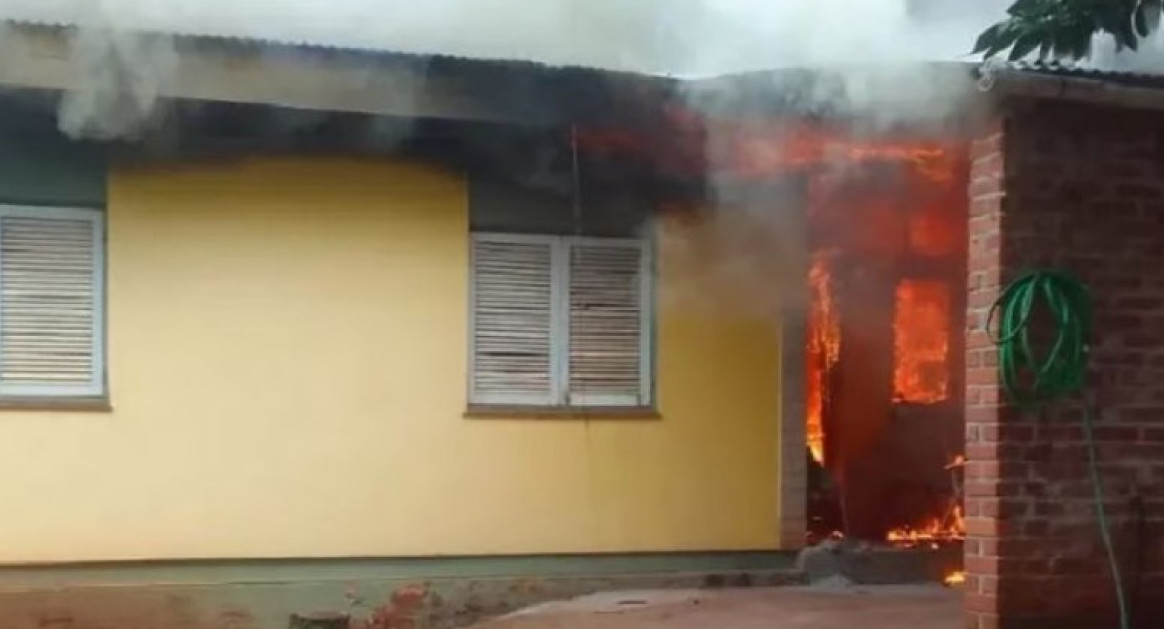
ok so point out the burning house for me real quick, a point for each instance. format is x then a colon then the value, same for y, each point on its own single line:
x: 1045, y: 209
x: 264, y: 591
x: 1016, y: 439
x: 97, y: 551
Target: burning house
x: 516, y: 326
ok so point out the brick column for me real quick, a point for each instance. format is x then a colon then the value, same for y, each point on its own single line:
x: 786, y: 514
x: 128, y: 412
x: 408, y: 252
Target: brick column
x: 1078, y: 189
x: 982, y: 395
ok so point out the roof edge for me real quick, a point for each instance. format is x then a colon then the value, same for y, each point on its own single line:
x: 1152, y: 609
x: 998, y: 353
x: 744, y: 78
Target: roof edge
x: 1091, y: 88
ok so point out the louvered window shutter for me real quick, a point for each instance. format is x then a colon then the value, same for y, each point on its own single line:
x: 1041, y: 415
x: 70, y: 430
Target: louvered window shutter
x: 51, y: 279
x: 512, y: 323
x: 608, y: 318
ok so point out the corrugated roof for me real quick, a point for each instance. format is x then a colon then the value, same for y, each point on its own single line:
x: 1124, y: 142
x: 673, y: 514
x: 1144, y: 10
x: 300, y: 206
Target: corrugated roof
x: 548, y: 33
x: 432, y: 63
x: 1083, y: 71
x: 238, y: 42
x: 681, y: 38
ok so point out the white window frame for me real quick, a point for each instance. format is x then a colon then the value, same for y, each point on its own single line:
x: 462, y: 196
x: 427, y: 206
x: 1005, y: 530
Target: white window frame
x: 560, y: 396
x: 96, y: 386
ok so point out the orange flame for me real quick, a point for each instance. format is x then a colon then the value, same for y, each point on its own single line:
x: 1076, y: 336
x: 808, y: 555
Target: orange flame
x: 958, y: 577
x: 948, y: 528
x: 940, y: 529
x: 752, y: 148
x: 959, y: 461
x: 921, y: 341
x: 824, y: 347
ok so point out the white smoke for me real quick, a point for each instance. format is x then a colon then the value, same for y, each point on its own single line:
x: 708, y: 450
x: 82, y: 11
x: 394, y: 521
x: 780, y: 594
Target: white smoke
x: 124, y: 78
x: 120, y: 72
x: 670, y: 37
x: 673, y: 37
x: 879, y: 51
x: 880, y: 64
x: 877, y: 48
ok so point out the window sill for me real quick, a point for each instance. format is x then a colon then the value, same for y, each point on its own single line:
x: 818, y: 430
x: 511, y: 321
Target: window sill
x: 506, y: 411
x: 61, y: 404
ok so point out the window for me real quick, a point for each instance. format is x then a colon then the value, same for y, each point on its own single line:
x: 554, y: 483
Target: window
x: 51, y: 302
x: 921, y: 341
x: 560, y: 321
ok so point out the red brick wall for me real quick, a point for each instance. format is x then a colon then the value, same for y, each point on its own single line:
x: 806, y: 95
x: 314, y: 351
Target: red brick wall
x: 1080, y: 189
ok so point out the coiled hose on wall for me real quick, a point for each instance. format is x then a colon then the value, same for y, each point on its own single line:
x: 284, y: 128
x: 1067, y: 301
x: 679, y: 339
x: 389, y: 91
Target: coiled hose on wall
x: 1033, y: 379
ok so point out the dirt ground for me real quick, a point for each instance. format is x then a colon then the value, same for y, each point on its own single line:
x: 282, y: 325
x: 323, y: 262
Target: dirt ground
x: 813, y: 607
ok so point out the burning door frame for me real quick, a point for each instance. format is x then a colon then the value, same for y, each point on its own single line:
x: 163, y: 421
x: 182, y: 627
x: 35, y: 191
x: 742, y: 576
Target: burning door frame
x: 886, y: 437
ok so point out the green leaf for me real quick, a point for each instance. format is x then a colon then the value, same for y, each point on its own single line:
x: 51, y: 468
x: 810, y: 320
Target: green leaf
x: 1024, y: 7
x: 1151, y: 10
x: 1023, y: 45
x: 1065, y: 28
x: 1141, y: 21
x: 1006, y: 38
x: 1052, y: 43
x: 1080, y: 42
x: 1125, y: 35
x: 986, y: 39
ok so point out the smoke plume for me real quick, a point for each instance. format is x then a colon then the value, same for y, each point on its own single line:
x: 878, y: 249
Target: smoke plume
x: 124, y: 76
x: 878, y: 53
x: 673, y: 37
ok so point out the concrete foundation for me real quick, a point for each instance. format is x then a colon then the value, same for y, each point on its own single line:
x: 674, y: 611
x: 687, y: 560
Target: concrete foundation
x: 413, y: 593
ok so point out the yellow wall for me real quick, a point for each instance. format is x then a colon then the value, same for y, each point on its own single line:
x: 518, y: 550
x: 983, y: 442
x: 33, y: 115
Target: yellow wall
x: 287, y: 364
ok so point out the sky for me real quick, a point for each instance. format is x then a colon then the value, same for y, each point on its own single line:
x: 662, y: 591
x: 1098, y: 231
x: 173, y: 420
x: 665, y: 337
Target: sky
x: 669, y: 37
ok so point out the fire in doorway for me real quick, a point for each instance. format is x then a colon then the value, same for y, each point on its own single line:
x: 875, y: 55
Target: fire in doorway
x: 887, y: 229
x: 886, y: 283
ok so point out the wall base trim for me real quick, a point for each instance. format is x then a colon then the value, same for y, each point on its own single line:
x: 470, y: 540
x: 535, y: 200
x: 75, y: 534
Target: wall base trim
x: 375, y: 593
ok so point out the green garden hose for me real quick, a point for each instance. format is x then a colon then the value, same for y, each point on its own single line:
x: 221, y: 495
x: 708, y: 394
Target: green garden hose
x: 1032, y: 379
